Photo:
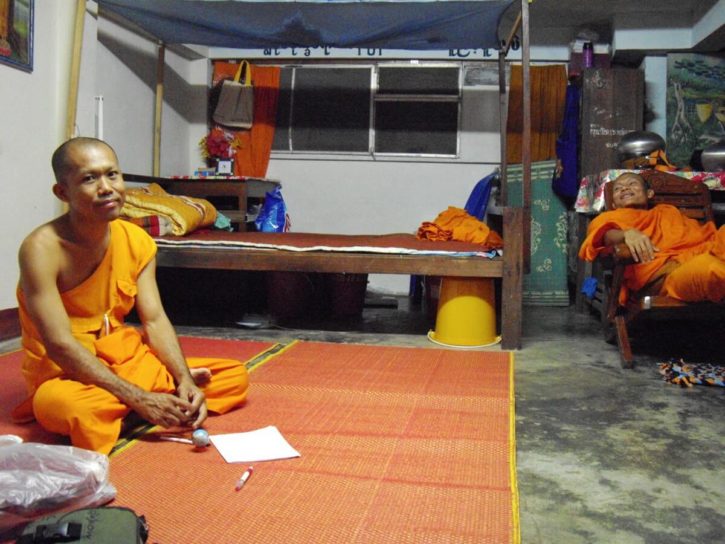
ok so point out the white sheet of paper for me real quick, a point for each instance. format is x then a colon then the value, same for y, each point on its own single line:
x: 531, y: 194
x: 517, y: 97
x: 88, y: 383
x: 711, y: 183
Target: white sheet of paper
x: 265, y: 444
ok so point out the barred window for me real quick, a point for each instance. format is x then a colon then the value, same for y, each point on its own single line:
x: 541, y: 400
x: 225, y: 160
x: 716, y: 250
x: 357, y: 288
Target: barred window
x: 381, y: 110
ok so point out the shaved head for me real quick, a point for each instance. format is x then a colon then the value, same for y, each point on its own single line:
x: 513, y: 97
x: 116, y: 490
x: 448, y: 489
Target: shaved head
x: 60, y: 160
x: 631, y: 190
x: 632, y: 175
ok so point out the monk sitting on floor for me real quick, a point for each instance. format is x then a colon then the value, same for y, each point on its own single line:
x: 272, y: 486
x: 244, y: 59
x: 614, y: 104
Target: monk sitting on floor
x: 674, y: 254
x: 80, y: 275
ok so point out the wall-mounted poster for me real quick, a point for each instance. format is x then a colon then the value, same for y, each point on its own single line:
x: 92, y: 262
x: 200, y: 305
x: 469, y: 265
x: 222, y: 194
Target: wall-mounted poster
x: 695, y: 104
x: 16, y: 33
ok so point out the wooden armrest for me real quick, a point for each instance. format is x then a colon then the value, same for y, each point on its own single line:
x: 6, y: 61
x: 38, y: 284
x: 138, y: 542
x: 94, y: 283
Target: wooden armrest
x: 614, y: 259
x: 622, y: 255
x: 616, y: 256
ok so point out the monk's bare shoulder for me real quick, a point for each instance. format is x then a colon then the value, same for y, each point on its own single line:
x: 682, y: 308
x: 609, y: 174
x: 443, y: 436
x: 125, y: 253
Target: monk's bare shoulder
x: 42, y: 250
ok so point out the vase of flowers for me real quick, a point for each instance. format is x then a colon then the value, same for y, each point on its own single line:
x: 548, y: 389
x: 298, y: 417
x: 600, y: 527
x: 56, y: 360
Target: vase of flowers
x: 218, y: 145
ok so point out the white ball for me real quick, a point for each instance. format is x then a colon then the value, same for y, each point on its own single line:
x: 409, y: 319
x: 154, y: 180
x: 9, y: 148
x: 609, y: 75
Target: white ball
x: 200, y: 438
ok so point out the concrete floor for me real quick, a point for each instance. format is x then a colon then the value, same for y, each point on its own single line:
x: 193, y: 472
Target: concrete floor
x: 607, y: 455
x: 604, y: 455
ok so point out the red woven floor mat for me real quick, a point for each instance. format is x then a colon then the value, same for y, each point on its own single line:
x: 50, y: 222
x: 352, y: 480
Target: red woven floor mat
x: 397, y: 445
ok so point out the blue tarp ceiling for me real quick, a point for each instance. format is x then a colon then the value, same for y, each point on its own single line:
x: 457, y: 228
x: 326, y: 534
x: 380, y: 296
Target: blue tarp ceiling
x: 411, y: 25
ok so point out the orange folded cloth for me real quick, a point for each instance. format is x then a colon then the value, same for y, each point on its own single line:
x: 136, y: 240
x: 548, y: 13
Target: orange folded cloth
x: 184, y: 214
x: 457, y: 224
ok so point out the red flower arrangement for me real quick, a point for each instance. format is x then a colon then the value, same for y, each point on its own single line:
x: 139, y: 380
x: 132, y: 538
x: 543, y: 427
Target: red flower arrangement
x: 219, y: 144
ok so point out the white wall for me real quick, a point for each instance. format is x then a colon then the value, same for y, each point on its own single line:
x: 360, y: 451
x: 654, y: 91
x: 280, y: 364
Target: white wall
x: 365, y: 196
x: 125, y: 75
x: 32, y: 109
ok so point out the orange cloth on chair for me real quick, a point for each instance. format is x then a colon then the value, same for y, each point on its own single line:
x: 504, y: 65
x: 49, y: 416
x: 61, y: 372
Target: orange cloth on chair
x: 457, y: 224
x: 699, y: 249
x: 91, y: 415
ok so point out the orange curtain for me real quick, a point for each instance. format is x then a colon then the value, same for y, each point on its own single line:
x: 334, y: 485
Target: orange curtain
x: 252, y: 157
x: 548, y: 94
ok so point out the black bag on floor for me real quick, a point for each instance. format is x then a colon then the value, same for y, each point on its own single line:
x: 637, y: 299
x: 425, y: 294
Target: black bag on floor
x: 105, y: 525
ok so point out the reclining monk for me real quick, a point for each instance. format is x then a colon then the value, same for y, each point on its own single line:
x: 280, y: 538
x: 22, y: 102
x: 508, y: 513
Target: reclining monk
x: 674, y: 255
x: 80, y: 275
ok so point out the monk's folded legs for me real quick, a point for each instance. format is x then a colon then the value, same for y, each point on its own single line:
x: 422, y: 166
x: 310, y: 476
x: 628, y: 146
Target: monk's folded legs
x: 228, y: 386
x: 92, y: 416
x: 699, y: 279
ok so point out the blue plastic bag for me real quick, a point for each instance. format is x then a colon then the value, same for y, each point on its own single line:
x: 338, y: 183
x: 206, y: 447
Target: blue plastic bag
x: 273, y: 216
x: 589, y: 287
x: 478, y: 200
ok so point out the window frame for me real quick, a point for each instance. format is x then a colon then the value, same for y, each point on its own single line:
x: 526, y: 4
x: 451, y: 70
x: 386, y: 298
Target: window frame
x: 375, y: 98
x: 420, y: 97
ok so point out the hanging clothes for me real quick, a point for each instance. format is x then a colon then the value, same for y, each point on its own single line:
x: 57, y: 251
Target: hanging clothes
x: 566, y: 183
x: 548, y: 91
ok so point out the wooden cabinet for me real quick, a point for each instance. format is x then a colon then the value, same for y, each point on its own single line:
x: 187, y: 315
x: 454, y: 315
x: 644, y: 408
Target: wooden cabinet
x: 237, y: 198
x: 612, y: 105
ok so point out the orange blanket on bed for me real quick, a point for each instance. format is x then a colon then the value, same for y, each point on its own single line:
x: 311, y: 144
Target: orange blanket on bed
x: 456, y: 224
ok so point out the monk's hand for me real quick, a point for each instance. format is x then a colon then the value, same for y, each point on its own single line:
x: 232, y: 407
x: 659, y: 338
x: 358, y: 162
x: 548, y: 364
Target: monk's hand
x: 640, y: 245
x: 163, y: 409
x: 197, y: 412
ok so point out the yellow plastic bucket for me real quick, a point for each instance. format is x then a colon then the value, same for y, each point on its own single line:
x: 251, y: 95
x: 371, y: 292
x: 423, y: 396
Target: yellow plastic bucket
x: 466, y: 315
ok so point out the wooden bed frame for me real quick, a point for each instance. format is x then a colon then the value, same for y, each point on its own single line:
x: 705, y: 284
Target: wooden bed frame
x: 508, y: 268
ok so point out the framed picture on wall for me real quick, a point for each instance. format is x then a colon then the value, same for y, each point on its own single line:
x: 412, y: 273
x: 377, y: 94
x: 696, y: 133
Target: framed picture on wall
x: 695, y: 104
x: 16, y: 33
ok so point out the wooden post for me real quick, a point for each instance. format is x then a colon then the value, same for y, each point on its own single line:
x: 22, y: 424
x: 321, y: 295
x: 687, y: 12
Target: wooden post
x: 512, y: 282
x: 75, y: 70
x: 516, y: 221
x: 526, y: 136
x: 503, y: 121
x: 160, y: 61
x: 503, y: 105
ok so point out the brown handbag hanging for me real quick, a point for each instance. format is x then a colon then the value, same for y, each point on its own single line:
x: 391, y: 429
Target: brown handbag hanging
x: 235, y: 108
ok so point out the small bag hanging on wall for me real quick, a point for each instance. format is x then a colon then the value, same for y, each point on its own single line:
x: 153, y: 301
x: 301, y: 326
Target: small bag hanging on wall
x: 235, y: 108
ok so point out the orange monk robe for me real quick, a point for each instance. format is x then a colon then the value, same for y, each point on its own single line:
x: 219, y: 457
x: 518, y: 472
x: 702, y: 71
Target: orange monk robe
x: 90, y: 415
x: 699, y: 249
x: 457, y: 224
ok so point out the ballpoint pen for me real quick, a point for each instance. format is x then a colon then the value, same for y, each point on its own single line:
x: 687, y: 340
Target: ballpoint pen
x: 244, y: 478
x: 199, y: 438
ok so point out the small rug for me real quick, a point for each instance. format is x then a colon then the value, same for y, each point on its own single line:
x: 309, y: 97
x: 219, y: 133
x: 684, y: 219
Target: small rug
x: 397, y: 445
x: 689, y: 374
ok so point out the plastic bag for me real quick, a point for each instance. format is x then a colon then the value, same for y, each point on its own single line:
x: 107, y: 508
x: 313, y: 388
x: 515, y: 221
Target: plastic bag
x: 273, y: 216
x: 40, y: 479
x: 478, y: 200
x: 589, y: 287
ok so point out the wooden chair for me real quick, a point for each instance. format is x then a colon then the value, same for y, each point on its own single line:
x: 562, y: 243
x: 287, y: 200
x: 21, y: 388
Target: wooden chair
x: 693, y: 199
